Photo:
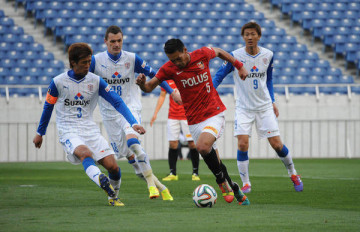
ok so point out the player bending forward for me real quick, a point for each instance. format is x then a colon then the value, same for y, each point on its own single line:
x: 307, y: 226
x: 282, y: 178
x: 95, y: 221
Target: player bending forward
x: 203, y: 107
x: 75, y: 94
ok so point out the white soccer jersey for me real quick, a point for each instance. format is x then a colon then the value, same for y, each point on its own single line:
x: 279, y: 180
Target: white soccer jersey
x: 76, y: 103
x: 120, y: 75
x: 253, y: 94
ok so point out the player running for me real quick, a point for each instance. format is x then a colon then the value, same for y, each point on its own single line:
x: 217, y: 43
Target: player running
x: 75, y: 94
x: 255, y: 102
x: 118, y: 68
x: 203, y: 107
x: 176, y: 123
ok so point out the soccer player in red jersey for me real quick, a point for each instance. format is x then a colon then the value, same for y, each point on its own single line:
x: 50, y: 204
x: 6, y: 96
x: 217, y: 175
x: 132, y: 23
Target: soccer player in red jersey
x: 203, y: 106
x: 176, y: 124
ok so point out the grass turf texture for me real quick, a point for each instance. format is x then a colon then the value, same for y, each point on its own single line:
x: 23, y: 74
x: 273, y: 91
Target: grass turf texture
x: 60, y: 197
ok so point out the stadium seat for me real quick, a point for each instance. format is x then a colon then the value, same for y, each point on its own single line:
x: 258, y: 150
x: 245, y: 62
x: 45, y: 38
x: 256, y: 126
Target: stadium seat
x: 4, y: 72
x: 5, y: 21
x: 13, y: 80
x: 6, y: 63
x: 299, y: 79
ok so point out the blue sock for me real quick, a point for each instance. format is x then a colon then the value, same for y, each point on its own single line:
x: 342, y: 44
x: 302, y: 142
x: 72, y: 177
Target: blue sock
x: 242, y: 155
x: 88, y: 162
x: 115, y: 176
x: 132, y: 141
x: 284, y: 151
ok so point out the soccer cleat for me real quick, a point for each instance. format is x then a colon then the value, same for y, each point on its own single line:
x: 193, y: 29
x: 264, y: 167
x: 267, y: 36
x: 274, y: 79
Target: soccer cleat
x: 115, y: 202
x: 240, y: 196
x: 106, y: 186
x: 154, y: 192
x: 166, y: 196
x: 195, y: 177
x: 227, y: 192
x: 246, y: 188
x: 298, y: 184
x: 170, y: 177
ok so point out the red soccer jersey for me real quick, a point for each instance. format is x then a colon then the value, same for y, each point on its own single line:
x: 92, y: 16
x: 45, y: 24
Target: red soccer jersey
x: 200, y: 99
x: 176, y: 111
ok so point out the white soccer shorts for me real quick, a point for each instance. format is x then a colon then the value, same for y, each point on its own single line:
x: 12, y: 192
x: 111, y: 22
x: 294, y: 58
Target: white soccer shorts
x: 214, y: 125
x: 117, y: 129
x: 174, y: 127
x: 95, y: 142
x: 265, y: 121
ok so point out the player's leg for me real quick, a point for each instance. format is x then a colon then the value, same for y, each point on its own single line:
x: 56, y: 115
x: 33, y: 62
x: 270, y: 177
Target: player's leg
x: 172, y: 159
x: 194, y: 154
x: 205, y: 134
x: 173, y: 133
x: 286, y: 158
x: 243, y: 162
x: 195, y: 160
x: 109, y: 163
x: 268, y: 127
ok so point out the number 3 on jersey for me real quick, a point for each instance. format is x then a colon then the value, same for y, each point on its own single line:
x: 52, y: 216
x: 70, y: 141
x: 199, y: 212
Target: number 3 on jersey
x: 117, y: 89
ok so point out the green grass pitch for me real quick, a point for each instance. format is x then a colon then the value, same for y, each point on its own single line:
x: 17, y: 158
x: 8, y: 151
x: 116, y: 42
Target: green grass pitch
x: 59, y: 197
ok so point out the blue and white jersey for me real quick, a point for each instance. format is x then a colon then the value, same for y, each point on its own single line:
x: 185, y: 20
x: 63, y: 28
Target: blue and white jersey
x: 75, y: 104
x: 255, y: 93
x: 119, y: 72
x: 75, y: 98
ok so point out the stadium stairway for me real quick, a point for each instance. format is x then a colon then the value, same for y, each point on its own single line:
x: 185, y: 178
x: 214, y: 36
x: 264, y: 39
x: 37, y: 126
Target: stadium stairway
x: 271, y: 11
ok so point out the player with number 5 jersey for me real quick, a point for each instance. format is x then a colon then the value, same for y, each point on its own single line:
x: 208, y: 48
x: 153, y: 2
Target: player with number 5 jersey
x: 203, y: 107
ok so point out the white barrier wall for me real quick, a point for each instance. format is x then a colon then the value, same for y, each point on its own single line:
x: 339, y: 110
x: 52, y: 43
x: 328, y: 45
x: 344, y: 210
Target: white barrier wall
x: 329, y: 127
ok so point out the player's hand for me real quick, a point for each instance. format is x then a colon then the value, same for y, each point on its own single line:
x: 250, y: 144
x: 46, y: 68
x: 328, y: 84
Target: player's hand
x: 176, y: 96
x: 141, y: 79
x: 276, y: 110
x: 139, y: 129
x: 38, y: 139
x: 243, y: 73
x: 153, y: 119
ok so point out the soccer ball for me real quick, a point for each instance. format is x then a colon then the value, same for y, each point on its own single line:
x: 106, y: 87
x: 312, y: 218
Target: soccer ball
x: 204, y: 196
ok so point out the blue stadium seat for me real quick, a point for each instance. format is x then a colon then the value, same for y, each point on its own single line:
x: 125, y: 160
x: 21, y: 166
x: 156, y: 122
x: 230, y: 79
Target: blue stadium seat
x: 299, y: 79
x: 72, y: 5
x: 36, y: 47
x: 7, y: 63
x: 40, y: 64
x: 284, y: 80
x: 16, y: 30
x: 57, y: 64
x: 346, y: 79
x: 24, y: 63
x: 324, y: 64
x: 44, y: 80
x: 13, y: 80
x: 355, y: 89
x: 5, y: 21
x: 328, y: 33
x: 30, y: 55
x: 324, y: 6
x: 4, y: 72
x: 311, y: 56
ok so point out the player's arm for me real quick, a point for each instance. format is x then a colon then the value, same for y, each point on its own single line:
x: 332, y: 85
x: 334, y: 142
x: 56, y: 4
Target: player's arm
x: 269, y: 85
x: 222, y: 72
x: 158, y: 106
x: 51, y: 98
x: 147, y: 86
x: 229, y: 58
x: 142, y: 67
x: 115, y: 100
x: 92, y: 65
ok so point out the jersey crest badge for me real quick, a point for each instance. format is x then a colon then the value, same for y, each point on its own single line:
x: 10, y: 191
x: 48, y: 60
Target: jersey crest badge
x: 127, y: 65
x: 90, y: 87
x: 201, y: 65
x: 265, y: 60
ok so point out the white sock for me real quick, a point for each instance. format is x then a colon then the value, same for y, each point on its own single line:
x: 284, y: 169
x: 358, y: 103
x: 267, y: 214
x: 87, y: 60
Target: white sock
x: 116, y: 185
x: 143, y: 163
x: 93, y: 172
x: 289, y: 164
x: 158, y: 184
x: 243, y: 167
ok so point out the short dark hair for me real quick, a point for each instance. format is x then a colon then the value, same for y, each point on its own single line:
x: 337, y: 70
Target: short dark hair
x: 173, y: 45
x: 112, y: 29
x: 78, y: 51
x: 251, y: 25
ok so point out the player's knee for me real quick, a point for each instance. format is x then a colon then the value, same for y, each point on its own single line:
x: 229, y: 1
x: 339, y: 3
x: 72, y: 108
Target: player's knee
x: 114, y: 168
x: 277, y: 146
x: 243, y: 145
x: 203, y: 149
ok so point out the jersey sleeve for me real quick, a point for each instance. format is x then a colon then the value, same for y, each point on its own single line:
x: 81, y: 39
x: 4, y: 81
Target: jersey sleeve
x: 142, y: 67
x: 269, y: 82
x: 222, y: 72
x: 161, y: 74
x: 92, y: 65
x: 115, y: 100
x: 51, y: 98
x: 208, y: 52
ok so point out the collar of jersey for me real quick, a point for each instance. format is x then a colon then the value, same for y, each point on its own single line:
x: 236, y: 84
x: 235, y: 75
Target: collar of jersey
x: 252, y: 55
x: 74, y: 77
x: 113, y: 58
